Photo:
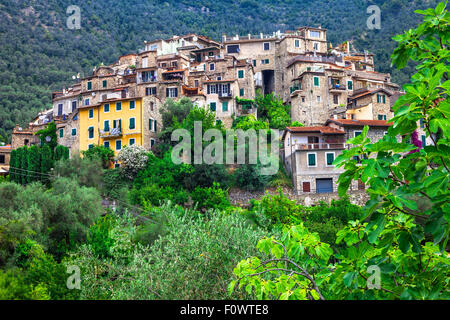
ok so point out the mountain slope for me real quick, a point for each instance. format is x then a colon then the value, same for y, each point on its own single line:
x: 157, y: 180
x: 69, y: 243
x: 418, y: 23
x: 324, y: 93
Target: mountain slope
x: 38, y: 53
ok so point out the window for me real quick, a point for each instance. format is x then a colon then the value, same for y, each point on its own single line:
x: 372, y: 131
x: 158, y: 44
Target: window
x: 357, y: 133
x: 241, y: 74
x: 196, y: 83
x: 91, y: 132
x: 330, y: 158
x: 106, y: 126
x: 89, y: 85
x: 90, y: 146
x: 254, y: 63
x: 314, y: 34
x: 303, y: 99
x: 74, y: 131
x: 266, y: 46
x: 312, y: 160
x: 131, y: 142
x: 381, y: 117
x: 306, y: 186
x: 2, y: 158
x: 316, y: 46
x: 316, y: 82
x: 384, y: 98
x: 117, y: 165
x: 106, y: 144
x: 297, y: 43
x: 212, y: 106
x: 104, y: 83
x: 150, y: 91
x: 74, y: 106
x: 61, y: 133
x: 225, y: 106
x: 119, y: 106
x: 266, y: 61
x: 424, y: 141
x: 211, y: 53
x: 350, y: 85
x: 106, y: 108
x: 86, y: 102
x: 211, y: 67
x: 212, y: 88
x: 152, y: 143
x: 132, y: 104
x: 335, y: 99
x: 241, y: 92
x: 152, y: 125
x: 60, y: 109
x: 132, y: 123
x: 91, y: 113
x: 233, y: 48
x: 152, y: 106
x: 118, y: 145
x: 319, y: 98
x: 171, y: 92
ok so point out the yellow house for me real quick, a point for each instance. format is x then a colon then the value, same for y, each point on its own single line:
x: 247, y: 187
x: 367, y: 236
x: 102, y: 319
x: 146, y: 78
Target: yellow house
x: 114, y: 124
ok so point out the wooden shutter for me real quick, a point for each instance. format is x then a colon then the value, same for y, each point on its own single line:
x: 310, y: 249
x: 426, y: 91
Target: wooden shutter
x: 306, y: 187
x: 167, y: 92
x: 311, y: 159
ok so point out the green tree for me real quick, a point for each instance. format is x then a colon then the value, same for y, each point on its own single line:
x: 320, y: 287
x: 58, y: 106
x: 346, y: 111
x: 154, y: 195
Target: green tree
x: 106, y: 155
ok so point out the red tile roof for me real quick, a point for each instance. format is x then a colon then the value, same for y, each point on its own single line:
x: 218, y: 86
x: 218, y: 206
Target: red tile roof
x: 360, y: 123
x: 320, y: 129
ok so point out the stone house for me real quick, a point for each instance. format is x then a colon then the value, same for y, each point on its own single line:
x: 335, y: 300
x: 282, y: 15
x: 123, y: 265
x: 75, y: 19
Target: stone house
x: 367, y: 104
x: 308, y: 154
x: 5, y: 156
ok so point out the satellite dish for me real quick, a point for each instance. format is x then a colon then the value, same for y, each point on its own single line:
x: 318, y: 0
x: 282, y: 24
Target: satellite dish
x: 48, y: 139
x: 93, y: 94
x: 73, y: 77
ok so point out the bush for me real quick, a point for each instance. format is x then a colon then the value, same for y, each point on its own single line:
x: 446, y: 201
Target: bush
x: 153, y: 195
x: 104, y: 154
x: 87, y: 172
x: 248, y: 177
x: 211, y: 198
x: 132, y: 159
x: 204, y: 175
x: 114, y: 186
x: 99, y: 236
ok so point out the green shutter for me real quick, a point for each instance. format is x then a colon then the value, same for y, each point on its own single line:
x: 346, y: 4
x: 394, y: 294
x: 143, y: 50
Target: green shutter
x: 118, y: 145
x: 350, y: 85
x: 106, y: 129
x: 106, y: 144
x: 118, y: 106
x: 316, y: 81
x: 106, y: 108
x: 384, y: 98
x: 91, y: 113
x: 380, y: 117
x: 132, y: 104
x: 132, y: 123
x: 225, y: 106
x: 241, y: 74
x: 74, y: 131
x: 311, y: 160
x: 91, y: 132
x: 330, y: 159
x: 61, y: 133
x: 241, y: 92
x: 212, y: 106
x: 89, y: 85
x: 105, y: 83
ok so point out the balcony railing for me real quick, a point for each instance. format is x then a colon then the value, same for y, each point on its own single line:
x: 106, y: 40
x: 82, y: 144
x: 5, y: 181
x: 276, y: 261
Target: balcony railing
x: 319, y: 146
x: 295, y: 88
x: 112, y: 133
x: 337, y: 87
x: 228, y: 94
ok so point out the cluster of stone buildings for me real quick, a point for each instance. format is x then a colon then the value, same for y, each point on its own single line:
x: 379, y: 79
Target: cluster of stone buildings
x: 332, y: 91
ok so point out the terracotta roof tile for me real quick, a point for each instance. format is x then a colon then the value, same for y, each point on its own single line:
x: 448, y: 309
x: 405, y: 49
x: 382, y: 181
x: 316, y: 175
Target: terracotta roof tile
x: 361, y: 123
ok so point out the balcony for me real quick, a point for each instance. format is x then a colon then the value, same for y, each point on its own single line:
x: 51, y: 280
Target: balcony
x: 112, y: 133
x: 225, y: 95
x: 335, y: 87
x: 319, y: 146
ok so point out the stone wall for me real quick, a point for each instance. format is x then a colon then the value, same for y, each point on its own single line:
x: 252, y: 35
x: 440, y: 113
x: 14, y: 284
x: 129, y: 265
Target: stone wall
x: 241, y: 197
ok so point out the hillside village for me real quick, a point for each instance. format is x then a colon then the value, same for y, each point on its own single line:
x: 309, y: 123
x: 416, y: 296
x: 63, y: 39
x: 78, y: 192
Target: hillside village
x: 333, y: 91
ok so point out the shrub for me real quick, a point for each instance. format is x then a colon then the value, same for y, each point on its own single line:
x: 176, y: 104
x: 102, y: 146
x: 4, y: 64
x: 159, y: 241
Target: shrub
x: 248, y: 177
x: 204, y: 175
x: 211, y: 198
x: 133, y: 159
x: 106, y: 155
x: 99, y: 236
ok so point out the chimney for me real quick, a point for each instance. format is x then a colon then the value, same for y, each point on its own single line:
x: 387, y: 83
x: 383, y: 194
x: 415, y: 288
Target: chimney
x: 261, y: 35
x: 249, y: 36
x: 224, y: 37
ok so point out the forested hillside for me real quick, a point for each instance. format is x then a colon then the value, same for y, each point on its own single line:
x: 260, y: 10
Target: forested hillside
x: 38, y: 53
